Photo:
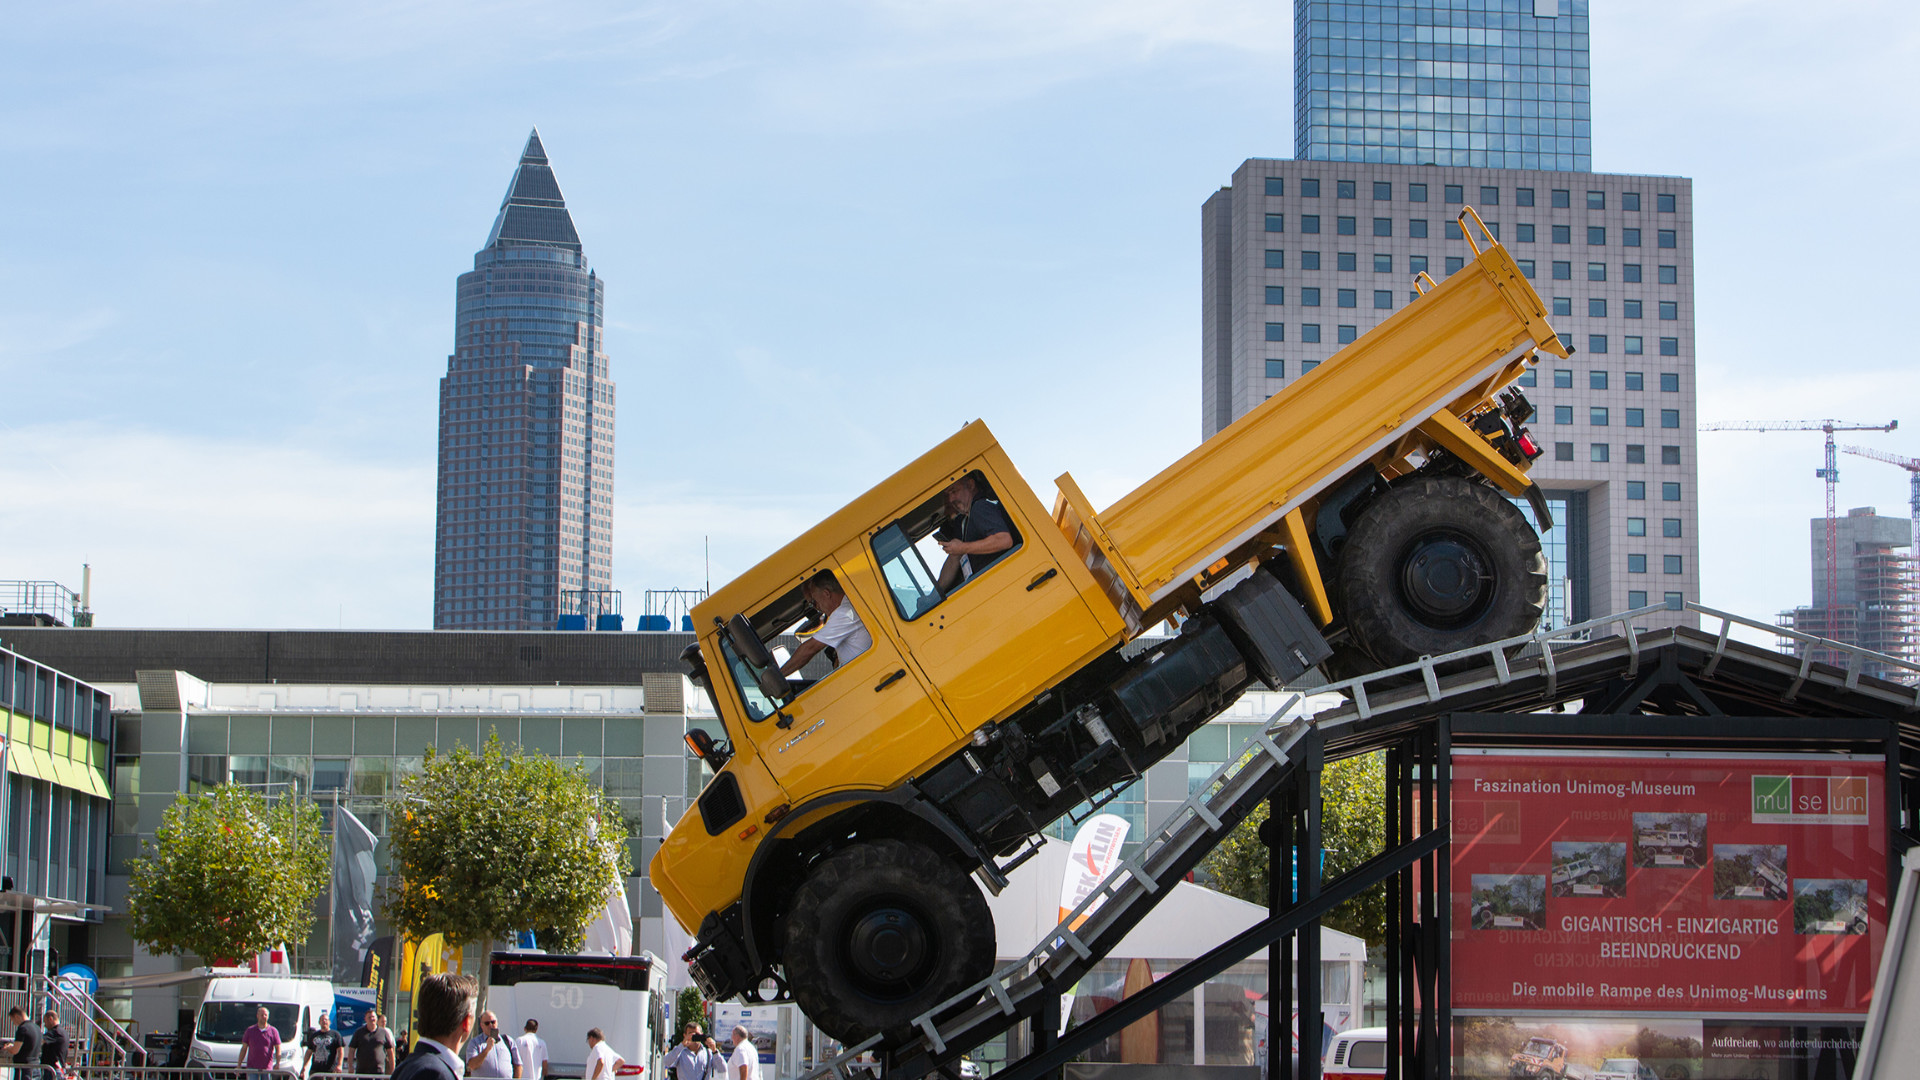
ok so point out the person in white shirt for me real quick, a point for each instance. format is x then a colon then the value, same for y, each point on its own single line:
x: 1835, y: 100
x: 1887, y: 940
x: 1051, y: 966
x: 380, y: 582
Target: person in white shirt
x: 602, y: 1062
x: 533, y: 1052
x: 745, y: 1062
x: 843, y: 630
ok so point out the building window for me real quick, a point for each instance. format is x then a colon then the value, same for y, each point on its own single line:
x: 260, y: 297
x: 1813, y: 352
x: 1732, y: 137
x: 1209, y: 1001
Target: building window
x: 1523, y: 196
x: 1523, y: 233
x: 1346, y: 334
x: 1597, y: 271
x: 1346, y: 260
x: 1454, y: 263
x: 1630, y: 308
x: 1669, y: 275
x: 1309, y: 365
x: 1383, y: 226
x: 1563, y: 271
x: 1597, y: 343
x: 1344, y: 189
x: 1489, y: 196
x: 1672, y: 564
x: 1596, y: 200
x: 1636, y: 564
x: 1636, y: 489
x: 1636, y: 380
x: 1563, y: 234
x: 1382, y: 300
x: 1382, y: 191
x: 1664, y: 203
x: 1416, y: 264
x: 1635, y: 526
x: 1669, y: 418
x: 1276, y: 332
x: 1636, y: 453
x: 1669, y: 455
x: 1563, y: 305
x: 1310, y: 223
x: 1563, y: 414
x: 1636, y: 599
x: 1629, y: 237
x: 1563, y: 451
x: 1562, y: 199
x: 1630, y: 201
x: 1347, y: 298
x: 1417, y: 228
x: 1276, y: 294
x: 1630, y: 272
x: 1276, y: 223
x: 1596, y: 307
x: 1309, y: 260
x: 1528, y: 377
x: 1526, y: 267
x: 1597, y: 415
x: 1670, y: 491
x: 1383, y: 264
x: 1670, y: 527
x: 1276, y: 185
x: 1563, y: 378
x: 1596, y: 236
x: 1309, y: 332
x: 1276, y: 259
x: 1600, y: 452
x: 1309, y: 297
x: 1669, y: 310
x: 1669, y: 346
x: 1347, y: 226
x: 1456, y: 194
x: 1669, y: 238
x: 1674, y: 601
x: 1309, y: 189
x: 1276, y: 369
x: 1632, y: 344
x: 1416, y: 193
x: 1669, y: 381
x: 1636, y: 418
x: 1596, y: 380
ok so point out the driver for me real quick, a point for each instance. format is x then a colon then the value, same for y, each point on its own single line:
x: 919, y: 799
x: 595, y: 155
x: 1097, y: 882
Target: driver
x: 842, y: 632
x: 976, y: 533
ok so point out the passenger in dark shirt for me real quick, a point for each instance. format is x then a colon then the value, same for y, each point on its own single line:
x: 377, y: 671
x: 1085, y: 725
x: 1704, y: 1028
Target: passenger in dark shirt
x: 53, y: 1047
x: 976, y: 533
x: 25, y: 1047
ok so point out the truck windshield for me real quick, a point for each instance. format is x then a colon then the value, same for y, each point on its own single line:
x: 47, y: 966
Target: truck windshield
x: 757, y: 704
x: 226, y: 1021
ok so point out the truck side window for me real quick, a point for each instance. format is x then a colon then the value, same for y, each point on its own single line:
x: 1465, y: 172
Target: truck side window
x: 909, y: 549
x: 757, y: 704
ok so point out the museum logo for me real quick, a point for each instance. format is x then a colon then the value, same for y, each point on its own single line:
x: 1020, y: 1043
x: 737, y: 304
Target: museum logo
x: 1810, y: 800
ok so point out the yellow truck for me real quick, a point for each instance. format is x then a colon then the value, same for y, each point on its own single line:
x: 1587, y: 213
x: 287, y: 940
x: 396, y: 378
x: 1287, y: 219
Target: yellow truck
x: 981, y: 685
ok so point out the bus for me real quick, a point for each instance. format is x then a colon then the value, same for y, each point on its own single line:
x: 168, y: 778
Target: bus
x: 624, y: 996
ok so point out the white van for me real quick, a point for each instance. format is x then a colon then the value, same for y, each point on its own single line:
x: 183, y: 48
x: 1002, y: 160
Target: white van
x: 1357, y: 1053
x: 294, y: 1006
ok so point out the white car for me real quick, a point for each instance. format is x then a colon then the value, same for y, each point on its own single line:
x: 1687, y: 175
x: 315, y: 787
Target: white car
x: 1623, y: 1069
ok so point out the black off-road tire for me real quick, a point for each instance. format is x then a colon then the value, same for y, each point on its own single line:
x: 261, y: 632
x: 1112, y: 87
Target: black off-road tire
x: 880, y: 933
x: 1439, y: 564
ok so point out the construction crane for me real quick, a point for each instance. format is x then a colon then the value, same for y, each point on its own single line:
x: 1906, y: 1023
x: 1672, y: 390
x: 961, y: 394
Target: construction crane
x: 1912, y: 465
x: 1830, y: 472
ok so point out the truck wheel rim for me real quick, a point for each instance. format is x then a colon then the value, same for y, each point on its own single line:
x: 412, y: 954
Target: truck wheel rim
x: 1445, y: 579
x: 887, y: 947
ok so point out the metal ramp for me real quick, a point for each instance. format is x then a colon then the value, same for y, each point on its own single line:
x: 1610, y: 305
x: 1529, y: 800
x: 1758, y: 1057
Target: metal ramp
x: 1522, y: 674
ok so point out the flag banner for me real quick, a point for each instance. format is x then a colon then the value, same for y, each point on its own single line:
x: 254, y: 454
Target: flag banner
x: 353, y: 876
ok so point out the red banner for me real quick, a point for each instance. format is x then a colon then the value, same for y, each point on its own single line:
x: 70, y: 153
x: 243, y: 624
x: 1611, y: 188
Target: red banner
x: 1677, y: 883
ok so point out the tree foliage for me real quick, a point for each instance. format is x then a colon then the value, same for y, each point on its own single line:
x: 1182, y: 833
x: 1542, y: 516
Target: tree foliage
x: 227, y: 875
x: 488, y: 844
x: 689, y: 1008
x: 1353, y: 829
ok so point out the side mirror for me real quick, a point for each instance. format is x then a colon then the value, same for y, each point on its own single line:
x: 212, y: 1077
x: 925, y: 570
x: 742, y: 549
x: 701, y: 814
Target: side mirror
x: 700, y: 743
x: 748, y: 644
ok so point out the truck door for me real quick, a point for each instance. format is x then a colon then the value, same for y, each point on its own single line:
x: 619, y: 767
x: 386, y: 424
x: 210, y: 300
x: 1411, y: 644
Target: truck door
x: 986, y: 642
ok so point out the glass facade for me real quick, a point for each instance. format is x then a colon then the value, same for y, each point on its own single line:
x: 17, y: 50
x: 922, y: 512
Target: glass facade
x: 1492, y: 83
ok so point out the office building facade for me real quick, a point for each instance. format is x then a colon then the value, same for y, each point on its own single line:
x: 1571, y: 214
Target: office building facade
x: 1301, y: 257
x: 524, y: 522
x: 1877, y: 602
x: 1476, y: 83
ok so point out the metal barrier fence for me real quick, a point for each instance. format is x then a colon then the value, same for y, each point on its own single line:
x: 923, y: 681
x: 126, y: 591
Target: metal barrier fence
x: 158, y: 1072
x: 94, y: 1039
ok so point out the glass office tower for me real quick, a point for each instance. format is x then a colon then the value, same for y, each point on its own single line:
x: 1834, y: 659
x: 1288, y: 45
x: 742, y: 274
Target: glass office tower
x: 1490, y: 83
x: 526, y: 422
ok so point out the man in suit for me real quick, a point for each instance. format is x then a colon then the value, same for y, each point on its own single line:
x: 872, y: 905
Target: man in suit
x: 444, y: 1004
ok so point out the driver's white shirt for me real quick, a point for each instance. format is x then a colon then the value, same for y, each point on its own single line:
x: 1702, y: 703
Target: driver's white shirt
x: 844, y: 632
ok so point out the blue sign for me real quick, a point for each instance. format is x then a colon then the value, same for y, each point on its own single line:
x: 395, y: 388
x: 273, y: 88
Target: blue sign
x: 80, y: 975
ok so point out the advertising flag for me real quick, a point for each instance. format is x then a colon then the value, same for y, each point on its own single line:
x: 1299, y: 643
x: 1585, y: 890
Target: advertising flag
x: 612, y: 931
x: 353, y: 876
x: 1095, y: 852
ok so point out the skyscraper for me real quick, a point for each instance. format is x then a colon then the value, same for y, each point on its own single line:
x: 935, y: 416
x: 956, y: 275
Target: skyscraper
x: 526, y: 422
x: 1495, y: 83
x: 1300, y: 257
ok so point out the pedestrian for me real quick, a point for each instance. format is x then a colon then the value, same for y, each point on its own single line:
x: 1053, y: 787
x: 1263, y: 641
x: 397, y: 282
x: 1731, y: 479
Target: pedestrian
x: 689, y: 1060
x: 260, y: 1044
x: 716, y: 1061
x: 372, y: 1047
x: 533, y: 1052
x: 602, y: 1062
x: 53, y: 1050
x: 489, y: 1053
x: 443, y: 1007
x: 25, y: 1047
x: 745, y: 1062
x: 323, y: 1048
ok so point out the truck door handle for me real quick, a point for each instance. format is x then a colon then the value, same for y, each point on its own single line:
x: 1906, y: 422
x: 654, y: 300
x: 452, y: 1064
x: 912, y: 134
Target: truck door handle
x: 1042, y: 579
x: 891, y: 679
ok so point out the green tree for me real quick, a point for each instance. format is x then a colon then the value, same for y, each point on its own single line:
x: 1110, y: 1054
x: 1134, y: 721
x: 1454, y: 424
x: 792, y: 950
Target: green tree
x: 688, y: 1009
x: 228, y: 874
x: 1353, y: 829
x: 488, y: 844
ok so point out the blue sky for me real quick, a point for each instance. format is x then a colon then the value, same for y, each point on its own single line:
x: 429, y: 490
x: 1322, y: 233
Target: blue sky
x: 831, y: 232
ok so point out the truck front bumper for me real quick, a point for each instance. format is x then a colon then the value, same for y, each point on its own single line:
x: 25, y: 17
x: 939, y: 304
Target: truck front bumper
x: 718, y: 960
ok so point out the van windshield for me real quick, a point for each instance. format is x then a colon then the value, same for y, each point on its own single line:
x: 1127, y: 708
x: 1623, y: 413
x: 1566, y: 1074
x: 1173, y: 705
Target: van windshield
x: 226, y: 1021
